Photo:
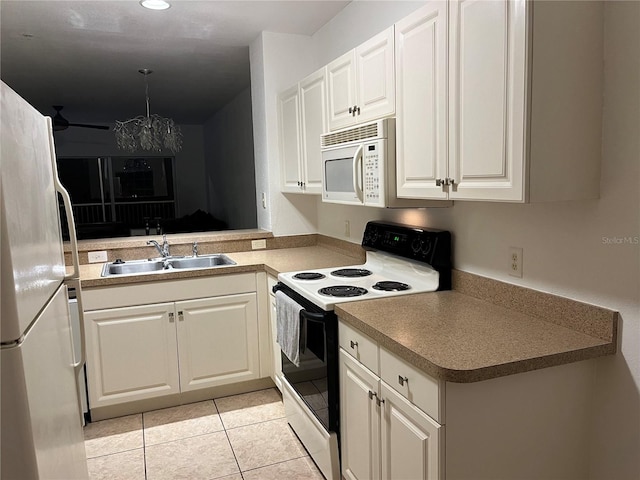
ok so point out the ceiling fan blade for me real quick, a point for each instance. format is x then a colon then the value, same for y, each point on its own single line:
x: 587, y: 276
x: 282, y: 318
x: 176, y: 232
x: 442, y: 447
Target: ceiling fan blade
x: 84, y: 125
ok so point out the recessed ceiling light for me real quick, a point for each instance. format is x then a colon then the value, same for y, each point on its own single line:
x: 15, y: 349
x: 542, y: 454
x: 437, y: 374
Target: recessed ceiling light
x: 155, y: 4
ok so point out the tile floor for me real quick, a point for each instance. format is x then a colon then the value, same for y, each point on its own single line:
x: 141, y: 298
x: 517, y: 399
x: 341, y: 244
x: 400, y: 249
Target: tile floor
x: 241, y: 437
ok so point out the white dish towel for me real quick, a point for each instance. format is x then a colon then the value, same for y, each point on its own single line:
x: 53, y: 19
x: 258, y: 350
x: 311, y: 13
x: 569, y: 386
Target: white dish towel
x: 288, y: 326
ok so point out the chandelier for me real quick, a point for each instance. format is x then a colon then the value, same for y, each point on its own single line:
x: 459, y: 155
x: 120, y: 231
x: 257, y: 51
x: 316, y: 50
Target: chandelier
x: 150, y: 132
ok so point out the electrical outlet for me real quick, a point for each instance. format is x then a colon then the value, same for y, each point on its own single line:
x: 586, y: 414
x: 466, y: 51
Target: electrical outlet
x: 98, y: 257
x: 347, y: 228
x: 258, y: 244
x: 515, y: 262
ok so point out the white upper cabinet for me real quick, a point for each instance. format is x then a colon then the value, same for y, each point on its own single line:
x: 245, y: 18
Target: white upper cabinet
x: 313, y: 101
x: 487, y: 87
x: 361, y: 85
x: 421, y: 102
x: 522, y: 86
x: 302, y: 119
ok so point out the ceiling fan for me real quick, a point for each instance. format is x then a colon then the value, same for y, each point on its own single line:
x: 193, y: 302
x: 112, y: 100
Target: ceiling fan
x: 61, y: 123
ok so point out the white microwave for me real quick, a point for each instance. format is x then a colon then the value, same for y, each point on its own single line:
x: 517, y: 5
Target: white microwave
x: 359, y: 166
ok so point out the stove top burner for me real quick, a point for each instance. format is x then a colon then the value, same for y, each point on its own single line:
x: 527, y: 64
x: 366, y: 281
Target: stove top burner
x: 390, y: 286
x: 343, y: 291
x: 308, y: 276
x: 351, y: 272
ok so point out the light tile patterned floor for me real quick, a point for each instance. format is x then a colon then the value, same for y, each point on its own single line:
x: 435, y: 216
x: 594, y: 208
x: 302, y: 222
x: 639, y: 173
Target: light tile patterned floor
x: 242, y: 437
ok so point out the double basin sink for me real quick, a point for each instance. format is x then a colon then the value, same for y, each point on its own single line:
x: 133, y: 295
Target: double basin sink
x: 159, y: 265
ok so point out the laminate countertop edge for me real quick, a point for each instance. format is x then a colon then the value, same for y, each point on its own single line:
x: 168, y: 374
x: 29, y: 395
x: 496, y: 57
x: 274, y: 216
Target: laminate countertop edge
x: 458, y: 338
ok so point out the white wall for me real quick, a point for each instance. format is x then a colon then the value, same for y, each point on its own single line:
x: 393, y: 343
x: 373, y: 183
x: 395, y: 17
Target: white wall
x: 190, y: 184
x: 277, y: 62
x: 229, y: 163
x: 569, y: 247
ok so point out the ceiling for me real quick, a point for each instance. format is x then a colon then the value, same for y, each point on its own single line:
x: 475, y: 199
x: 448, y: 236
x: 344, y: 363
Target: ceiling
x: 85, y: 55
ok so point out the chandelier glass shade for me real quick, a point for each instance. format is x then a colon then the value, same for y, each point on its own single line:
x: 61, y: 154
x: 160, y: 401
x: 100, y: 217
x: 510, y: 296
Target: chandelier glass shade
x: 151, y: 132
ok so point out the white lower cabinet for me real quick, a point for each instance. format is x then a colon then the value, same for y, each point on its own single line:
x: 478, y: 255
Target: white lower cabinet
x: 131, y: 354
x: 217, y: 341
x: 145, y: 351
x: 383, y: 435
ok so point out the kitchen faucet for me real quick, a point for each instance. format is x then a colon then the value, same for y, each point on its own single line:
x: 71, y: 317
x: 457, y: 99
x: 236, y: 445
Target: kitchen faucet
x: 164, y: 249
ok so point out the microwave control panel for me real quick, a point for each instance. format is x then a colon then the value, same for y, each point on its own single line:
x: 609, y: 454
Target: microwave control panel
x: 373, y: 166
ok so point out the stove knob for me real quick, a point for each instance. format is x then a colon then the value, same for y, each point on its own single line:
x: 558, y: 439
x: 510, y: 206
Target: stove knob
x: 426, y: 247
x: 416, y: 245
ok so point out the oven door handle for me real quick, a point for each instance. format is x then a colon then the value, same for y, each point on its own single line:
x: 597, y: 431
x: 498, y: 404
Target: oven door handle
x: 305, y: 317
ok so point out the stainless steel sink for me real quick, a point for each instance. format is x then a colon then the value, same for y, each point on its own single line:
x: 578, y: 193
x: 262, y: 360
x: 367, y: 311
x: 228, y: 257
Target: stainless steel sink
x: 202, y: 262
x: 141, y: 267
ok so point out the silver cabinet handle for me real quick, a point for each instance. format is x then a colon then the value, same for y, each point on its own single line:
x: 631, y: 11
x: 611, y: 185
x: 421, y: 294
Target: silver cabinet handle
x: 171, y: 317
x: 181, y: 315
x: 354, y: 344
x: 402, y: 380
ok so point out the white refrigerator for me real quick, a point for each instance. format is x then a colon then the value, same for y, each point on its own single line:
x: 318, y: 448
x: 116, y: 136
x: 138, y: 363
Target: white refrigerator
x: 40, y: 416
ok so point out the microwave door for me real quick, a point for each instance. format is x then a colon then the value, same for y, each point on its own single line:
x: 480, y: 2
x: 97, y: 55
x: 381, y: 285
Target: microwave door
x: 341, y: 178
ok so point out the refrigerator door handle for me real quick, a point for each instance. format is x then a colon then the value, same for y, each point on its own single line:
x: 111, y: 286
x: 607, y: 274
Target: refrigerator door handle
x: 73, y: 279
x: 66, y: 200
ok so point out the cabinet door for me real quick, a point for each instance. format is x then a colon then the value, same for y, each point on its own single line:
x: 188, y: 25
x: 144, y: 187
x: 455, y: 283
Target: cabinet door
x: 487, y: 93
x: 359, y: 420
x: 289, y: 131
x: 421, y: 96
x: 375, y: 90
x: 131, y: 354
x: 341, y: 85
x: 410, y: 440
x: 275, y: 347
x: 217, y: 341
x: 313, y: 114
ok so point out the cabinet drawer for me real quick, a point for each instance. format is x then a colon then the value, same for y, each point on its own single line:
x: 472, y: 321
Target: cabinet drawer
x: 419, y: 388
x: 360, y: 346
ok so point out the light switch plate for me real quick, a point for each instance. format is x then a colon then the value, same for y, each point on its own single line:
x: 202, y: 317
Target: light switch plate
x: 98, y: 257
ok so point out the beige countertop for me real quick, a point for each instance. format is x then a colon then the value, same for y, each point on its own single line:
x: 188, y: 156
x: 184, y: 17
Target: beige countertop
x: 458, y: 338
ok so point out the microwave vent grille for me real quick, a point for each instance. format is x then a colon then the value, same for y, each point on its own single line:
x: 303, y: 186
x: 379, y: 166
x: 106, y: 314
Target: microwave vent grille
x: 363, y: 132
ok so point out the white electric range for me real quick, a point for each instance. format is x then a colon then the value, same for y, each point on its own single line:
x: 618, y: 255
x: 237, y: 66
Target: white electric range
x: 382, y: 275
x: 400, y: 260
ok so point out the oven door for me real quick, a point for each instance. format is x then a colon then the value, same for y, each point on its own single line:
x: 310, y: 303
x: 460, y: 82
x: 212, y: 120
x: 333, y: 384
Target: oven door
x: 342, y: 173
x: 315, y: 379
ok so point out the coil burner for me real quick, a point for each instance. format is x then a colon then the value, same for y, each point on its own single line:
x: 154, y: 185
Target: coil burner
x: 343, y: 291
x: 308, y: 276
x: 351, y: 272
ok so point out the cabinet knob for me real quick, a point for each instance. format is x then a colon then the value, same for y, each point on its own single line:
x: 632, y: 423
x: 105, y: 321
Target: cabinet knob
x: 379, y: 401
x: 353, y: 344
x: 180, y: 315
x: 351, y: 110
x: 451, y: 181
x: 402, y: 380
x: 358, y: 110
x: 171, y: 317
x: 438, y: 182
x: 372, y: 394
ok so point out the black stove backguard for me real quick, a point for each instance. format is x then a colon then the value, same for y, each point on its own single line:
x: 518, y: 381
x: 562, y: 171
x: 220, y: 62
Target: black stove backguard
x: 416, y: 243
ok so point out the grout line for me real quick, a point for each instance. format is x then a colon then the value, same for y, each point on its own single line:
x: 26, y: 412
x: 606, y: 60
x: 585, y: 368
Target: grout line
x: 278, y: 463
x: 144, y: 448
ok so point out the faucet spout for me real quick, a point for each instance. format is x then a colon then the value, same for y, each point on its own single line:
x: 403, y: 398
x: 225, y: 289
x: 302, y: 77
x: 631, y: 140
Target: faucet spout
x: 162, y: 249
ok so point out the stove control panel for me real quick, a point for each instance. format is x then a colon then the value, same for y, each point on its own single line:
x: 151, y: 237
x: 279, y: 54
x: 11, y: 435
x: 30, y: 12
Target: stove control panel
x: 416, y: 243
